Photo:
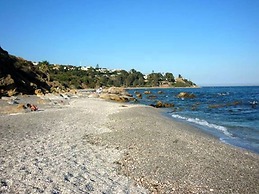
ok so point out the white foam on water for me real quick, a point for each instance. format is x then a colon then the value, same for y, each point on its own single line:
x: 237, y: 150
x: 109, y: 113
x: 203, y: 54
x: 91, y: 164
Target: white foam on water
x: 204, y: 123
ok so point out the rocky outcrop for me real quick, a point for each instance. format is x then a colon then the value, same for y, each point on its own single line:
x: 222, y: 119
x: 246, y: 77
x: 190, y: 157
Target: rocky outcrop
x: 116, y: 94
x: 18, y: 75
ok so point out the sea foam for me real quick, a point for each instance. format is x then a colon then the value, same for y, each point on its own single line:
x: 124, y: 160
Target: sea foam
x: 204, y: 123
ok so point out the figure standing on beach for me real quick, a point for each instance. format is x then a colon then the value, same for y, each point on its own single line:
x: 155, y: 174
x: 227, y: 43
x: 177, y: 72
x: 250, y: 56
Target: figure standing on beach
x: 99, y: 90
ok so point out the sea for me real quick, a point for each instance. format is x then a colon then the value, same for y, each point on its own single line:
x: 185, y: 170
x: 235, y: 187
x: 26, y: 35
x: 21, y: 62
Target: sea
x: 231, y: 114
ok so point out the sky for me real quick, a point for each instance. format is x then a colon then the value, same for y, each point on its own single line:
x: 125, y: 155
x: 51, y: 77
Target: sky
x: 211, y: 42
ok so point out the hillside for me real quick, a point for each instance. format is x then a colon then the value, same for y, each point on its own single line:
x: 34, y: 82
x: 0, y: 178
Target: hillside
x: 18, y: 75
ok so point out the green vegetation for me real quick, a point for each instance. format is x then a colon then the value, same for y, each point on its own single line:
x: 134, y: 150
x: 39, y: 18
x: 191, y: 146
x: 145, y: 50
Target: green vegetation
x: 79, y: 77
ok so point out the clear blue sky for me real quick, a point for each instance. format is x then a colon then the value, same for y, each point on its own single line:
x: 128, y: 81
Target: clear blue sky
x: 208, y: 41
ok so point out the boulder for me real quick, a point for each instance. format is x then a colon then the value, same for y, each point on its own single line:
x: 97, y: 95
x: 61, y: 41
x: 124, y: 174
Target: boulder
x: 116, y: 97
x: 160, y: 104
x: 139, y: 96
x: 147, y: 92
x: 38, y: 92
x: 116, y: 90
x: 105, y: 96
x: 185, y: 95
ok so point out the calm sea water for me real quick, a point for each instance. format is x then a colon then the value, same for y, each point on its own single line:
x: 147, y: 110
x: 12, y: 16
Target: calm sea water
x: 229, y: 113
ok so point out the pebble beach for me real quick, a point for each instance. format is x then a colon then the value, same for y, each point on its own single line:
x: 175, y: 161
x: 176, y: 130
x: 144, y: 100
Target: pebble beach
x: 88, y: 145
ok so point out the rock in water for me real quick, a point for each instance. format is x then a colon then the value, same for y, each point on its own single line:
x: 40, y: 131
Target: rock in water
x: 185, y: 95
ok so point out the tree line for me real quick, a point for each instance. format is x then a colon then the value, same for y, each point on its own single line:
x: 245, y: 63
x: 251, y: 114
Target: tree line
x: 78, y: 78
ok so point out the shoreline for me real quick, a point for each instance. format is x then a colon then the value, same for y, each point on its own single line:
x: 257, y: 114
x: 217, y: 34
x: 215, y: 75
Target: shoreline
x: 133, y: 147
x: 146, y: 88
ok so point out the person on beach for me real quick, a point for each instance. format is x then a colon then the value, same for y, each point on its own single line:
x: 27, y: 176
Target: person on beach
x: 32, y: 107
x: 99, y: 90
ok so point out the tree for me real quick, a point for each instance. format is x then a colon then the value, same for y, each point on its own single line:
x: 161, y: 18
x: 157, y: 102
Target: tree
x: 154, y: 79
x: 169, y: 77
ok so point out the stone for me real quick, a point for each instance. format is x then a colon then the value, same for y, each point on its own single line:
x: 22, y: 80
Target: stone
x: 139, y: 96
x: 147, y: 92
x: 160, y: 104
x: 38, y: 92
x: 185, y: 95
x: 105, y: 96
x: 116, y: 90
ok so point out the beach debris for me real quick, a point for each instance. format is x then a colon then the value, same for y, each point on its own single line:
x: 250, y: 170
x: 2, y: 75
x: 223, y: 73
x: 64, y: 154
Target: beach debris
x: 183, y: 95
x: 32, y: 107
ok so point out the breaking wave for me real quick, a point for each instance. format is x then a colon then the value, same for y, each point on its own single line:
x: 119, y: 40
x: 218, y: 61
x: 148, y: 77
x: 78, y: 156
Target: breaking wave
x: 204, y: 123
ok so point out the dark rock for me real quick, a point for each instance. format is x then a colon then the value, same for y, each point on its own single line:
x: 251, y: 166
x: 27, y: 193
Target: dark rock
x: 139, y: 96
x: 160, y: 104
x: 160, y: 92
x: 3, y: 182
x: 168, y: 105
x: 152, y: 97
x: 89, y: 187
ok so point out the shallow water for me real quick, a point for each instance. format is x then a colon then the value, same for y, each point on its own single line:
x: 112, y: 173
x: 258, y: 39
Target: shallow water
x: 229, y: 113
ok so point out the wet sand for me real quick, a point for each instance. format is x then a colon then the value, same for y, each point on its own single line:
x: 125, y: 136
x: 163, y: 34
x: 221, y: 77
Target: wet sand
x: 85, y: 145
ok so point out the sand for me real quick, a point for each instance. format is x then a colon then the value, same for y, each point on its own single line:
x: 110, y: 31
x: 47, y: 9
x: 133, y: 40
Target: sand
x: 84, y: 145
